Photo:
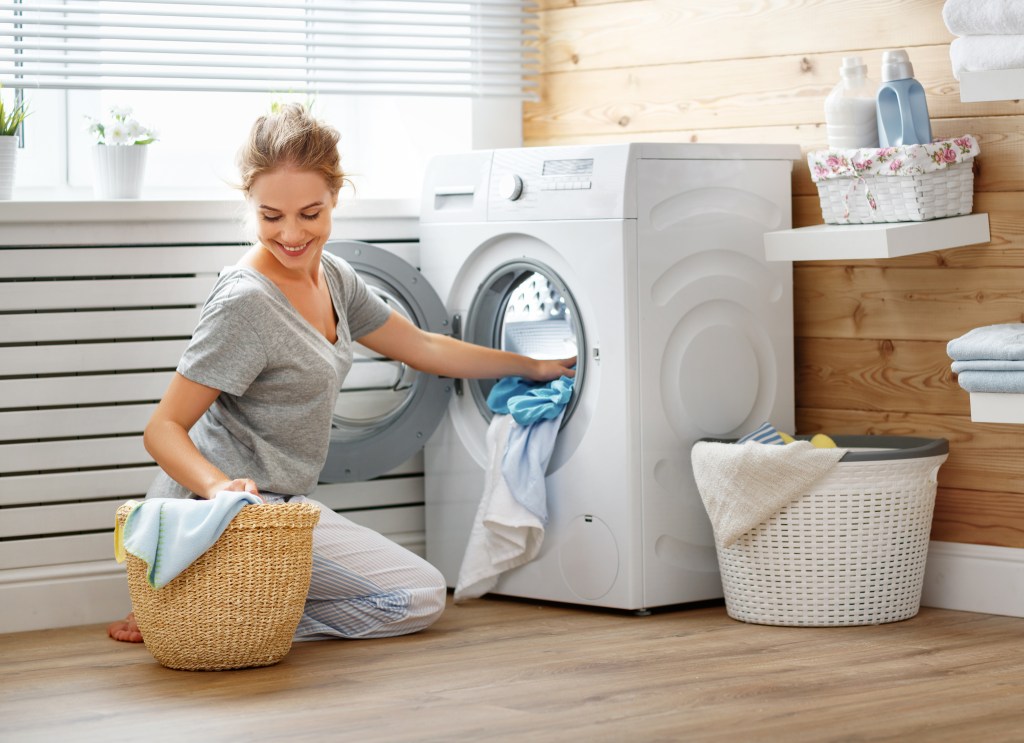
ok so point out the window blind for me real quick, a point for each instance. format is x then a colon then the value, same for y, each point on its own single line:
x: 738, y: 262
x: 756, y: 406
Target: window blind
x: 474, y: 48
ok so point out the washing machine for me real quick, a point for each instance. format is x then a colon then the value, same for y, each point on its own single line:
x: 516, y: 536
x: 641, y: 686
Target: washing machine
x: 646, y: 261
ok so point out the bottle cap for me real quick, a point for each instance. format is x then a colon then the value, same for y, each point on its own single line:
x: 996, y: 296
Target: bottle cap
x: 853, y: 67
x: 896, y: 65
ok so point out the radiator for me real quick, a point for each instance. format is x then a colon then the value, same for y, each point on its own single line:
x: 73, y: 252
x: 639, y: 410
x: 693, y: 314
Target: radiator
x: 89, y: 337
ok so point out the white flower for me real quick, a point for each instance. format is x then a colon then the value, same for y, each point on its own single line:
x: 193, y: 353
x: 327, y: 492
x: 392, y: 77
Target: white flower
x: 117, y: 133
x: 135, y: 130
x: 120, y: 128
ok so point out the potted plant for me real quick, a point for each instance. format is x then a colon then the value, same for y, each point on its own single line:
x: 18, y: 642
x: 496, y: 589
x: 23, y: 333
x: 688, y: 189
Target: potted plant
x: 119, y: 155
x: 10, y: 120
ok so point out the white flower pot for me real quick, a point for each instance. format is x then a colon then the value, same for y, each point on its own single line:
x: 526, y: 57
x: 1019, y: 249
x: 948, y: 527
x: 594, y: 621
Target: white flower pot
x: 8, y: 155
x: 118, y: 170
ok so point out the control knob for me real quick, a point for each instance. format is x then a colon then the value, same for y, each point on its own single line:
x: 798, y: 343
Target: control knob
x: 510, y: 186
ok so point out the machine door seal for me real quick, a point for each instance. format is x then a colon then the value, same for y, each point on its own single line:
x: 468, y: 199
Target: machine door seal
x: 386, y: 411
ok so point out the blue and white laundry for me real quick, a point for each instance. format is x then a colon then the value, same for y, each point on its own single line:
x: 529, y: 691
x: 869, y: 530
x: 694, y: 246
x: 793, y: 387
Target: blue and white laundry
x: 537, y: 410
x: 169, y: 534
x: 766, y: 433
x: 508, y: 529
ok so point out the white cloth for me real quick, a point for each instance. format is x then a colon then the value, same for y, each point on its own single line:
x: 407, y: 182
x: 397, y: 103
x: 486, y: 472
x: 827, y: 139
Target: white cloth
x: 743, y: 485
x: 505, y: 533
x: 981, y: 53
x: 983, y: 17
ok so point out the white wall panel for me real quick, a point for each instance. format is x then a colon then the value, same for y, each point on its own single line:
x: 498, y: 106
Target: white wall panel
x: 90, y: 336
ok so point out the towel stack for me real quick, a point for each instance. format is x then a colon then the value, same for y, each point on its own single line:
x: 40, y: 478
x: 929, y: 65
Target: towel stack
x: 990, y: 34
x: 990, y: 358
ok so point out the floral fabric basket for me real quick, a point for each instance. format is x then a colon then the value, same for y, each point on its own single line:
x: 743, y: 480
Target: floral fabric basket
x: 912, y: 183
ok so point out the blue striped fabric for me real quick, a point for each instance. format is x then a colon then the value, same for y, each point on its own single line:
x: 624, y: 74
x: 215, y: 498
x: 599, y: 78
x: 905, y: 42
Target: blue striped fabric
x: 766, y: 433
x: 364, y: 585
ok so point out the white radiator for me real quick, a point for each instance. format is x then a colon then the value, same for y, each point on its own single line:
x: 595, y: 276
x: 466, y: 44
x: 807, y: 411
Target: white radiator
x: 89, y: 337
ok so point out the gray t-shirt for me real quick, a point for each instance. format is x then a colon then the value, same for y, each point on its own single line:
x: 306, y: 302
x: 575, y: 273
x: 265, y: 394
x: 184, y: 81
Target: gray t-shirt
x: 279, y: 377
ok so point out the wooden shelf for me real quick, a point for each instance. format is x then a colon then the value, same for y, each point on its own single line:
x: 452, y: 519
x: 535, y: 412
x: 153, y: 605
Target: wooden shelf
x: 826, y: 242
x: 991, y: 85
x: 997, y: 407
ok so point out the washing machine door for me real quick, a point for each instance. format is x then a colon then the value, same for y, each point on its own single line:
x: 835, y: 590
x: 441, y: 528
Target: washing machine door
x: 385, y: 410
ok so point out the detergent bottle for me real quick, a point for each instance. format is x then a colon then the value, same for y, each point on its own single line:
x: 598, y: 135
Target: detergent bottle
x: 902, y: 107
x: 850, y: 118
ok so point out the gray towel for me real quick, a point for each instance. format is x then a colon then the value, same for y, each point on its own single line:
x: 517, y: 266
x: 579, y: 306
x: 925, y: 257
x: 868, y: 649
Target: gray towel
x: 992, y: 381
x: 743, y: 485
x: 998, y: 342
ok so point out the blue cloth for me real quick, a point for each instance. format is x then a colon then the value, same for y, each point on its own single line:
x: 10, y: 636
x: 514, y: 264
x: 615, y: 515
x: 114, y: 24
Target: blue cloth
x: 529, y: 402
x: 1000, y: 342
x: 991, y: 381
x: 537, y: 410
x: 169, y: 534
x: 525, y: 463
x: 766, y: 433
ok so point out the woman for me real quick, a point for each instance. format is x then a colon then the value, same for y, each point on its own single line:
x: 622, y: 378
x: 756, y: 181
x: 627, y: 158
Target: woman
x: 250, y: 405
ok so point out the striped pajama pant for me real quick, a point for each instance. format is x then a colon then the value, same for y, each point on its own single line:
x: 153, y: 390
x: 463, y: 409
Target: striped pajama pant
x: 364, y: 585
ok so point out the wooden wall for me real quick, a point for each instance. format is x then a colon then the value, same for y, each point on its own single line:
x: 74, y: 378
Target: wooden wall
x: 870, y: 335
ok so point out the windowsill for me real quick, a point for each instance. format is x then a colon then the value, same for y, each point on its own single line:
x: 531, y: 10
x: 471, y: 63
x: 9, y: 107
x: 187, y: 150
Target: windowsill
x: 140, y: 221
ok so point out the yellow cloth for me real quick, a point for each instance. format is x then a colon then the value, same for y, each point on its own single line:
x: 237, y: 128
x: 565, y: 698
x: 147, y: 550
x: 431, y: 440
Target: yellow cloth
x: 119, y: 552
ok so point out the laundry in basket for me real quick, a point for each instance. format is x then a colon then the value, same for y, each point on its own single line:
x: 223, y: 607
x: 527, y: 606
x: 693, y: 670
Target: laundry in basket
x: 849, y: 550
x: 239, y: 603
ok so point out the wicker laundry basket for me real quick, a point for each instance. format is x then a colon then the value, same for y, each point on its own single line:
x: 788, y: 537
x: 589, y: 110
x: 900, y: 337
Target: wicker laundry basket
x: 238, y: 605
x: 911, y: 183
x: 852, y: 551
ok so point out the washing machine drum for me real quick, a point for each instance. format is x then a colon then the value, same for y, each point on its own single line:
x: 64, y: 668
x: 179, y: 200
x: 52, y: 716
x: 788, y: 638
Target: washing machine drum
x: 525, y: 307
x: 386, y: 410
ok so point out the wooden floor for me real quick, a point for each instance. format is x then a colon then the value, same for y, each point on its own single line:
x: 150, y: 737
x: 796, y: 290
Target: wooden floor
x: 497, y: 669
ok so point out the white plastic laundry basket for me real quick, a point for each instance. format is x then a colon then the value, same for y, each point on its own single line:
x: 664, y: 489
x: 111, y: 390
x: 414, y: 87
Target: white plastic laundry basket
x: 850, y: 552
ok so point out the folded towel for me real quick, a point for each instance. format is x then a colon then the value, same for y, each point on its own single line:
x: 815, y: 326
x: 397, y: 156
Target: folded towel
x: 983, y: 17
x: 529, y: 402
x: 1004, y: 342
x: 982, y: 53
x: 169, y: 534
x: 991, y: 381
x: 743, y: 485
x: 505, y: 534
x: 987, y: 365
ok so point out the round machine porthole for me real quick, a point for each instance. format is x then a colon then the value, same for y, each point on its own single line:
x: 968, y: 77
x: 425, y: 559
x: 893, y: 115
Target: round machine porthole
x: 525, y: 307
x: 385, y: 410
x: 377, y: 390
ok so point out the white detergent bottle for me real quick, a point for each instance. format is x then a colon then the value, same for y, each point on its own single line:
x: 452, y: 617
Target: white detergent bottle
x: 850, y: 117
x: 902, y: 106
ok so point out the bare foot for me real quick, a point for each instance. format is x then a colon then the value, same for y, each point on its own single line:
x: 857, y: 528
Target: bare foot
x: 125, y: 630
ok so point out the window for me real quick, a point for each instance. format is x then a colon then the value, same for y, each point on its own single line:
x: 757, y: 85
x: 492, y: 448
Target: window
x: 402, y: 80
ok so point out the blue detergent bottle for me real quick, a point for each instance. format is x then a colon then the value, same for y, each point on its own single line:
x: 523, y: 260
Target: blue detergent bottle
x: 901, y: 104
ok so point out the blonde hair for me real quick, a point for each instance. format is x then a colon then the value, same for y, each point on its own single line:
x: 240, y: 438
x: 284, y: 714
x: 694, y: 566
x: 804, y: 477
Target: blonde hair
x: 291, y: 137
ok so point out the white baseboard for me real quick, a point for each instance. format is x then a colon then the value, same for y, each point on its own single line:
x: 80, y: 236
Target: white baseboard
x: 62, y: 595
x: 975, y: 577
x: 963, y: 577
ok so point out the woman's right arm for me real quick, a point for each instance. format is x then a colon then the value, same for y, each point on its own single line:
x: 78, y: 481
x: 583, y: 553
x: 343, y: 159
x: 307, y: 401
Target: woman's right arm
x: 167, y: 441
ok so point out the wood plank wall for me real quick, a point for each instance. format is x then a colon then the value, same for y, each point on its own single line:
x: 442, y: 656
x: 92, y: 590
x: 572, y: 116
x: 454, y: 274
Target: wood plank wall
x: 870, y: 335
